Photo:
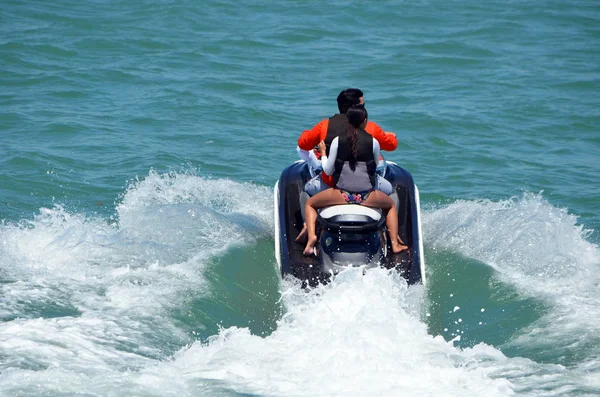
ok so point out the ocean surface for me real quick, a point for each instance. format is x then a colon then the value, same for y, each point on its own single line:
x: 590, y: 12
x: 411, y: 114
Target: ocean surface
x: 139, y: 145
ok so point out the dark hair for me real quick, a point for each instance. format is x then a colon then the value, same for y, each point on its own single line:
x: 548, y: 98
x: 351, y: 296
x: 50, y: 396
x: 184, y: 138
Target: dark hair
x: 356, y: 115
x: 347, y: 98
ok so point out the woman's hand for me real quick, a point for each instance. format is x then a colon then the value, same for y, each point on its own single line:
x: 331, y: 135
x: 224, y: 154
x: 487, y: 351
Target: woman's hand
x: 322, y: 148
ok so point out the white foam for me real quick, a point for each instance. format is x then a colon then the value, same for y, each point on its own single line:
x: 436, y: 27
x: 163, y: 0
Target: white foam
x: 544, y: 253
x: 362, y: 335
x: 528, y: 240
x: 112, y: 283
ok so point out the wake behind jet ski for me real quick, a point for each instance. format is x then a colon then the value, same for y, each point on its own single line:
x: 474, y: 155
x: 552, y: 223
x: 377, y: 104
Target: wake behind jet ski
x: 350, y: 234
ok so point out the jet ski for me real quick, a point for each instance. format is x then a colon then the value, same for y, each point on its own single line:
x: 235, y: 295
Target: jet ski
x: 350, y: 234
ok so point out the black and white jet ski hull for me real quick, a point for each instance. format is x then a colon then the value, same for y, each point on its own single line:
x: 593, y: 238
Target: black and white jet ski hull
x: 351, y: 235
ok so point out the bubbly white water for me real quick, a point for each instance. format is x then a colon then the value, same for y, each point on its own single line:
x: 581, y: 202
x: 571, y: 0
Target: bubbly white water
x: 543, y: 252
x: 112, y: 283
x: 362, y: 335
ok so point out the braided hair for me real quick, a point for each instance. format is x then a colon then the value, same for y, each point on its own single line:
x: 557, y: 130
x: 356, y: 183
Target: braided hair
x: 356, y: 115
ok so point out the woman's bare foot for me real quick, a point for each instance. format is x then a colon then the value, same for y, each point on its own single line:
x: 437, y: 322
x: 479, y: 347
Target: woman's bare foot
x: 310, y: 246
x: 398, y: 245
x: 302, y: 235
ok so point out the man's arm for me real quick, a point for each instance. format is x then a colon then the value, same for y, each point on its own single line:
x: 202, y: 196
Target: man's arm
x: 387, y: 140
x: 311, y: 138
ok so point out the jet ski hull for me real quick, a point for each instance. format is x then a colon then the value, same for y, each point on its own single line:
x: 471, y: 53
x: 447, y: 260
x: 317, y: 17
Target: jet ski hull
x: 357, y: 245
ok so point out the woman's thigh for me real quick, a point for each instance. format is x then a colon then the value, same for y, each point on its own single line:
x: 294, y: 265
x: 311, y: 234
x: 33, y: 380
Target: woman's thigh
x: 378, y: 199
x: 326, y: 198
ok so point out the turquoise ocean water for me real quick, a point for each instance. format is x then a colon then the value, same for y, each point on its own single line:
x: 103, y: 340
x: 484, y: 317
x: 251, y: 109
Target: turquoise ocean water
x: 139, y: 145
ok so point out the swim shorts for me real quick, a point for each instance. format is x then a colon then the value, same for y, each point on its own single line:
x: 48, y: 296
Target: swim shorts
x: 355, y: 198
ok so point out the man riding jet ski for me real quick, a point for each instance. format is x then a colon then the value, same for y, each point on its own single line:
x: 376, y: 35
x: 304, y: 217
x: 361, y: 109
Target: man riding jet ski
x: 328, y: 129
x: 350, y: 235
x: 352, y: 164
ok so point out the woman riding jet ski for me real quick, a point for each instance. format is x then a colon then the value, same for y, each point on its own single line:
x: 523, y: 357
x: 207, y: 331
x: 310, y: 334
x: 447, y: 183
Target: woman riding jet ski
x: 348, y: 235
x: 352, y: 163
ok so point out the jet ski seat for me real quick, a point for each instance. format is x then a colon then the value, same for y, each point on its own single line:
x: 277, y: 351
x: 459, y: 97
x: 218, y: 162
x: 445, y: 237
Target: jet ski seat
x: 351, y: 217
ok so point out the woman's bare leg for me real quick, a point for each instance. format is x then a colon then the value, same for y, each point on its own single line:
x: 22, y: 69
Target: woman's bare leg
x: 302, y: 235
x: 391, y: 220
x: 381, y: 200
x: 323, y: 199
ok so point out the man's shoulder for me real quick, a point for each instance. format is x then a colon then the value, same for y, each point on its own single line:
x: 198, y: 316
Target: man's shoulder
x: 309, y: 138
x: 373, y: 127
